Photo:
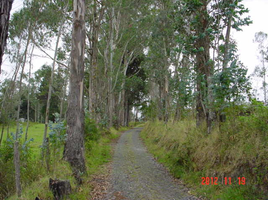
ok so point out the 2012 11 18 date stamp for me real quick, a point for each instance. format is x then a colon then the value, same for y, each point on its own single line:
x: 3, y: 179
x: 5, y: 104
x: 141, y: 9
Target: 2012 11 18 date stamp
x: 223, y: 181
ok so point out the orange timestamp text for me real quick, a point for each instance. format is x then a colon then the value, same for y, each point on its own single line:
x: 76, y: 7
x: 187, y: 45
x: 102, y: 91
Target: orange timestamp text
x: 225, y: 181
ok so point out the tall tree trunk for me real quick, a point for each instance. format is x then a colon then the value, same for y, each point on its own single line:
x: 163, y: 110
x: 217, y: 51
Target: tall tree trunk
x: 166, y: 85
x: 160, y: 101
x: 28, y: 98
x: 264, y: 79
x: 74, y: 147
x: 63, y: 98
x: 16, y: 143
x: 127, y: 113
x: 204, y: 71
x: 227, y: 39
x: 5, y: 8
x: 50, y: 86
x: 110, y: 78
x: 94, y: 59
x: 35, y: 113
x: 7, y: 129
x: 2, y: 133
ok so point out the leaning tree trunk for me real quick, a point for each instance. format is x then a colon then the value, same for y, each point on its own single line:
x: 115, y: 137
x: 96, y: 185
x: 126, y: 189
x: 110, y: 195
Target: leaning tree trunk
x: 50, y: 87
x: 16, y: 143
x: 74, y: 147
x: 5, y: 8
x: 28, y: 98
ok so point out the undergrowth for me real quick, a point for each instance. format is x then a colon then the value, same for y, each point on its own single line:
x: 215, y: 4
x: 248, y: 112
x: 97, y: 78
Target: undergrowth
x: 237, y: 149
x: 35, y: 173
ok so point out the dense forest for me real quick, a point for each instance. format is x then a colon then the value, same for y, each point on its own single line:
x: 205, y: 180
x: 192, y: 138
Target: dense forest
x: 170, y: 66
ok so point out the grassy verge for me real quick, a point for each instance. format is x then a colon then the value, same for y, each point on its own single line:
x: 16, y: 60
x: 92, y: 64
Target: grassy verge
x: 191, y: 155
x: 36, y: 177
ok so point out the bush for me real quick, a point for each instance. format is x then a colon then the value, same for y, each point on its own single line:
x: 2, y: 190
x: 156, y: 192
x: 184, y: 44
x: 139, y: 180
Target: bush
x: 92, y: 132
x: 28, y: 166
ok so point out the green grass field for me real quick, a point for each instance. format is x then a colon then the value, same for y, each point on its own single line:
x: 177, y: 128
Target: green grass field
x: 35, y: 131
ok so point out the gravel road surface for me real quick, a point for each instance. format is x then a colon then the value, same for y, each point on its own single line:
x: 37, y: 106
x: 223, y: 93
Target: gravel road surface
x: 136, y: 175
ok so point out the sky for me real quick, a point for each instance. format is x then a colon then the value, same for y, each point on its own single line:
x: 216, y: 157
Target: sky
x: 247, y: 49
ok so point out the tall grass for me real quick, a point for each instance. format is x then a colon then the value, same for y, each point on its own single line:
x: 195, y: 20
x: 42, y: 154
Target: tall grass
x: 238, y: 150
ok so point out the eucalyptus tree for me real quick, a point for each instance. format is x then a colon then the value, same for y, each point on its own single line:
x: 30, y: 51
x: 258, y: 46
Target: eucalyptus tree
x: 28, y: 96
x: 5, y: 8
x: 162, y: 42
x: 94, y: 18
x: 20, y: 29
x: 261, y: 71
x: 74, y: 148
x: 204, y: 23
x: 42, y: 77
x: 121, y: 38
x: 53, y: 17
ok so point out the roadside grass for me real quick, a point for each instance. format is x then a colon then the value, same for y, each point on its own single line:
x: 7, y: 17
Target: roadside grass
x: 97, y: 153
x: 190, y: 154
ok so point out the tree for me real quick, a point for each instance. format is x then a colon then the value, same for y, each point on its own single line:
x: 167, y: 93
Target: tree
x: 74, y: 147
x: 42, y: 77
x: 261, y: 39
x: 5, y: 8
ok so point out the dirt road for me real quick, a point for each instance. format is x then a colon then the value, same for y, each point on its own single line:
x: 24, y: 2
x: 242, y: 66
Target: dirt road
x: 136, y: 175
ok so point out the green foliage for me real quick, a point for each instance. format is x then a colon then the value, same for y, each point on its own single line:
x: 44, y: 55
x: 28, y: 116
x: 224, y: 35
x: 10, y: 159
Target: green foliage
x: 57, y: 134
x: 149, y: 110
x: 42, y: 77
x: 92, y: 133
x: 98, y: 154
x: 28, y: 165
x: 230, y: 84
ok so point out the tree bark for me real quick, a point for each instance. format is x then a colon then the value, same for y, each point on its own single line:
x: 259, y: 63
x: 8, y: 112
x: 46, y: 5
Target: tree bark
x: 28, y: 98
x: 166, y: 84
x: 74, y: 147
x: 204, y: 71
x: 2, y: 133
x: 16, y: 144
x: 94, y: 59
x: 5, y: 8
x: 63, y: 98
x: 227, y: 40
x: 264, y: 79
x: 110, y: 78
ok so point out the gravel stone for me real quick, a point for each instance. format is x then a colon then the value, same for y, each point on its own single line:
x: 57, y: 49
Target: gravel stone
x: 136, y: 175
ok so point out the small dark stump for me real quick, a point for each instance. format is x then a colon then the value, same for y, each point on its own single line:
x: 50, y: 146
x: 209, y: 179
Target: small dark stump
x: 59, y: 188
